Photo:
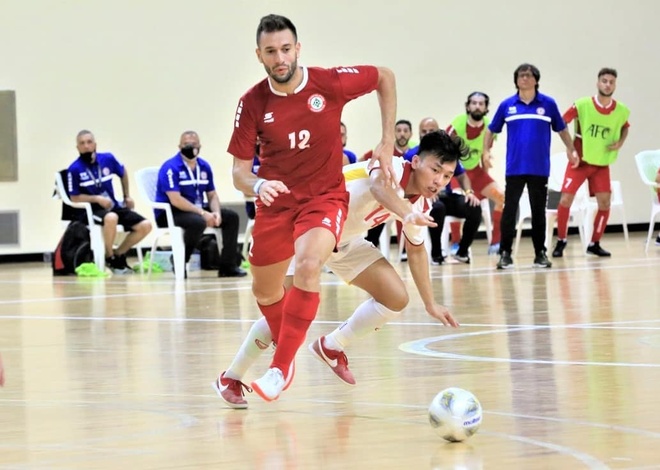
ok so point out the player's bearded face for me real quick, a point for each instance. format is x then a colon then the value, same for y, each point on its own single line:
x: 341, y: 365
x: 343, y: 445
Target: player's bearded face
x: 606, y: 85
x: 283, y: 72
x: 477, y: 114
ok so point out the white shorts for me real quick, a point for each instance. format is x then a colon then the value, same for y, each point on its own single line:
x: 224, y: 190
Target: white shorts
x: 351, y: 259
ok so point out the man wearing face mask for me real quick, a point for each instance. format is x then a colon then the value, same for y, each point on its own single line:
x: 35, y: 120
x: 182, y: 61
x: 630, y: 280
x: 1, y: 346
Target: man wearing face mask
x: 183, y: 180
x: 90, y: 180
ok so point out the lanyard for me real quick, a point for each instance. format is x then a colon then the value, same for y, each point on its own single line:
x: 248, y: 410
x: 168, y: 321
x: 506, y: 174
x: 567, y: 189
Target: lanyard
x: 195, y: 180
x: 97, y: 181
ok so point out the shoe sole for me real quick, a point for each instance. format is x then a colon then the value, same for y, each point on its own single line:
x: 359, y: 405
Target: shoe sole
x: 261, y: 393
x: 320, y: 358
x: 235, y: 406
x: 505, y: 267
x: 599, y: 256
x: 541, y: 266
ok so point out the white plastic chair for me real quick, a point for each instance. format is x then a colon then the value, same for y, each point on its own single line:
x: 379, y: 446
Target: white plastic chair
x: 578, y: 212
x: 446, y: 231
x: 96, y: 241
x: 486, y: 219
x: 648, y: 163
x: 147, y: 180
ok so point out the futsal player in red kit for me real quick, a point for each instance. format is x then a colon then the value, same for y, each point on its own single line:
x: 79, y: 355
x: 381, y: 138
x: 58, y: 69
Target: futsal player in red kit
x: 301, y: 196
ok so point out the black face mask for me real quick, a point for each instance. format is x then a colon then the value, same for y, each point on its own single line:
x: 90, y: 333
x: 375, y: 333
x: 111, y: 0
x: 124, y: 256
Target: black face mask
x: 189, y: 152
x: 87, y: 157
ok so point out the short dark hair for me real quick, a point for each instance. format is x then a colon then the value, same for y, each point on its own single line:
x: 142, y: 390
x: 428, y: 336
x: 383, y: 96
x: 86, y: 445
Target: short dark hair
x: 524, y: 68
x: 273, y: 23
x: 607, y: 71
x: 404, y: 121
x: 448, y: 148
x: 478, y: 93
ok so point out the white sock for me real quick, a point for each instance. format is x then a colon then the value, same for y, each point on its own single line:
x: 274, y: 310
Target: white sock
x: 255, y: 343
x: 368, y: 317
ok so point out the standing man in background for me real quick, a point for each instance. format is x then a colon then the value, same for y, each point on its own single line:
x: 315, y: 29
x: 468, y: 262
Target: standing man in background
x: 470, y: 126
x: 601, y: 128
x: 530, y: 116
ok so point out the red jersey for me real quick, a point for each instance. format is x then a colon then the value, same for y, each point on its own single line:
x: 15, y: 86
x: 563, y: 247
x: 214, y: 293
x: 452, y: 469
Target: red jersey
x: 299, y: 133
x: 572, y: 114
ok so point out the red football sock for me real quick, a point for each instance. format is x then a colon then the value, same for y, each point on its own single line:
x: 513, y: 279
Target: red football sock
x: 299, y: 312
x: 600, y: 222
x: 497, y: 233
x: 562, y: 221
x: 273, y: 314
x: 455, y: 232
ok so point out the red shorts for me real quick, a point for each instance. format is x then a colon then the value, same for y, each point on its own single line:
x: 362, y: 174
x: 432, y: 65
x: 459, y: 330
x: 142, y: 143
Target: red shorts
x: 598, y: 177
x: 276, y: 229
x: 479, y: 179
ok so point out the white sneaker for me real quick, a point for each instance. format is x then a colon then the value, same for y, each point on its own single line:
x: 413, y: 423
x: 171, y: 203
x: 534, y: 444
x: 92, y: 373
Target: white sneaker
x: 270, y: 385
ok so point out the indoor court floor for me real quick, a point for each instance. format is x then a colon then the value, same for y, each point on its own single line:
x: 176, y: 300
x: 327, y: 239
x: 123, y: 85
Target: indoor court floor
x: 116, y: 373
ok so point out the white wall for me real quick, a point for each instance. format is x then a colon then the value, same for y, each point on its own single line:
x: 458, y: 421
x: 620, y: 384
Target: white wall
x: 138, y: 73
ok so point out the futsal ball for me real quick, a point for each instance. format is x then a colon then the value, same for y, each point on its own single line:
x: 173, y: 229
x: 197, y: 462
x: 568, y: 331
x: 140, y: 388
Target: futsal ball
x: 455, y: 414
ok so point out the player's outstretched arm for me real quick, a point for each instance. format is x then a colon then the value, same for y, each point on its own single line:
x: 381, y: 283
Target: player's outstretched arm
x: 387, y: 100
x: 419, y: 267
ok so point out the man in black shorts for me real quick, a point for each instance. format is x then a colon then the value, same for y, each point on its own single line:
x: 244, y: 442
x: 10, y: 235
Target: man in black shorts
x: 90, y: 180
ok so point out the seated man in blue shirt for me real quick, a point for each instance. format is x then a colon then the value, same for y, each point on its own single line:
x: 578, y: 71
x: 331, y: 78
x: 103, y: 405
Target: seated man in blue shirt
x: 90, y: 180
x: 183, y: 180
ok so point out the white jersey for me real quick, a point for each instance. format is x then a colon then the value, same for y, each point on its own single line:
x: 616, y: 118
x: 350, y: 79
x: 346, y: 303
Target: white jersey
x: 364, y: 212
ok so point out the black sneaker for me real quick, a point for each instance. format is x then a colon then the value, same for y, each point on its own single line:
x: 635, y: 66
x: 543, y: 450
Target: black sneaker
x: 118, y: 264
x: 438, y: 260
x: 463, y: 258
x: 596, y: 250
x: 541, y: 261
x: 231, y: 272
x: 558, y: 252
x: 505, y: 261
x: 657, y: 240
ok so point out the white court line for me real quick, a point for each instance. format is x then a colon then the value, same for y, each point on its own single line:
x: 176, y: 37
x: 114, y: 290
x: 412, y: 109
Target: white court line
x: 113, y: 296
x: 613, y: 427
x: 247, y: 286
x: 419, y: 347
x: 587, y: 459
